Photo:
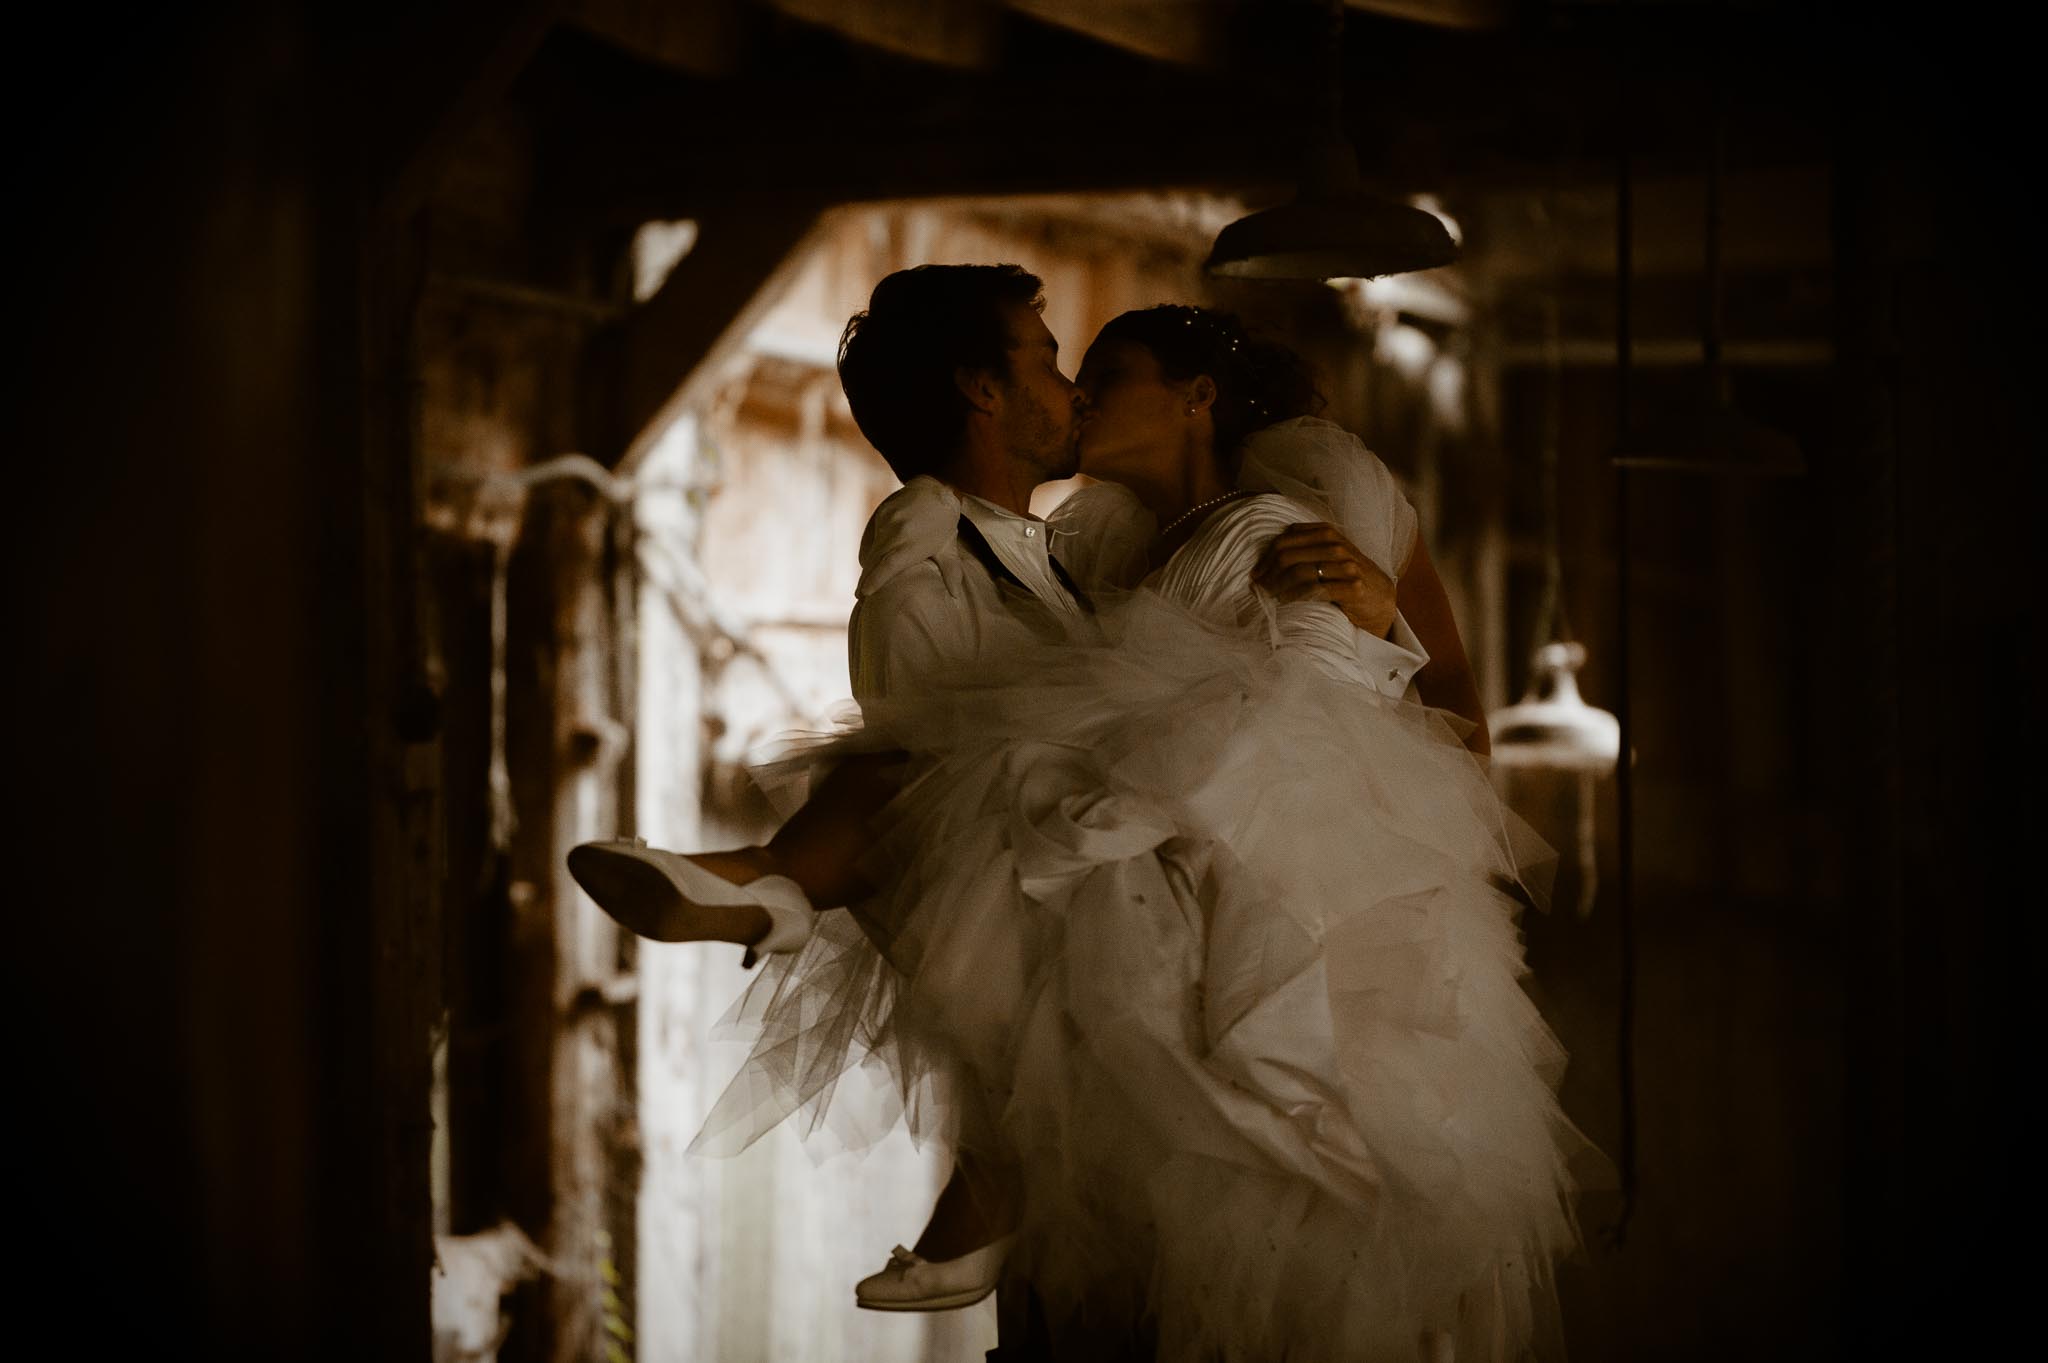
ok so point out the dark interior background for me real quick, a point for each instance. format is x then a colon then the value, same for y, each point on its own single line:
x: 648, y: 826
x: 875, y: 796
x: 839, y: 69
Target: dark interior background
x: 232, y: 763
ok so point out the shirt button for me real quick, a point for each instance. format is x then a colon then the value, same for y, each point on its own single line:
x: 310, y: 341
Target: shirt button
x: 1395, y: 675
x: 1030, y: 531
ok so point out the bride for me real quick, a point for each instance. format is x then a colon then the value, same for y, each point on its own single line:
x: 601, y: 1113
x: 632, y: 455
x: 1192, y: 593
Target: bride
x: 1180, y: 916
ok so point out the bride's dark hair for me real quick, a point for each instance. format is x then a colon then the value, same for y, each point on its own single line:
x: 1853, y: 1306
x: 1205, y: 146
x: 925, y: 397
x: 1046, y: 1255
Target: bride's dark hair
x: 1258, y: 381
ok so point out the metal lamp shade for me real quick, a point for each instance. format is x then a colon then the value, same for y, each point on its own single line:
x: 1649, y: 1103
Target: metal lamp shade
x: 1333, y: 229
x: 1327, y: 237
x: 1552, y: 727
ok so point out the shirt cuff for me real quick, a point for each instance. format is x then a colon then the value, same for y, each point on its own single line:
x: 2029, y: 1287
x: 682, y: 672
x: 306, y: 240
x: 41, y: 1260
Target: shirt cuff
x: 1391, y: 663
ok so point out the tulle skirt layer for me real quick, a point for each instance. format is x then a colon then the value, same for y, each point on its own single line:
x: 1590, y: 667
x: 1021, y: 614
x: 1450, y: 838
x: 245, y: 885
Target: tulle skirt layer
x: 1223, y: 953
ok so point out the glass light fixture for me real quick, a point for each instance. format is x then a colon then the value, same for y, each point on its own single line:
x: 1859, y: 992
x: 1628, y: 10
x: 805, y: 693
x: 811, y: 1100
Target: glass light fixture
x: 1552, y: 730
x: 1558, y: 743
x: 1552, y: 727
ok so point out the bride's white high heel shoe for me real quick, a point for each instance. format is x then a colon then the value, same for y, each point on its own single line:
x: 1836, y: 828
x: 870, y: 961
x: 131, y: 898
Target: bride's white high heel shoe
x: 912, y: 1282
x: 668, y: 897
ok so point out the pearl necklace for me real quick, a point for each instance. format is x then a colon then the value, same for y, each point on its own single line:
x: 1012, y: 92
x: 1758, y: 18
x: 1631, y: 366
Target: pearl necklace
x: 1203, y: 506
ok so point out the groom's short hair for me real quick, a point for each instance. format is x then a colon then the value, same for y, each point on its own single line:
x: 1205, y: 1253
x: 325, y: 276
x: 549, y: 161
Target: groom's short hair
x: 899, y: 358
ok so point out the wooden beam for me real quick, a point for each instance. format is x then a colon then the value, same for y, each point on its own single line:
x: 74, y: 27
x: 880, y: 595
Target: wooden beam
x: 620, y: 160
x: 900, y: 165
x: 448, y: 69
x: 652, y: 366
x: 959, y: 33
x: 1440, y: 13
x: 701, y: 37
x: 1185, y: 32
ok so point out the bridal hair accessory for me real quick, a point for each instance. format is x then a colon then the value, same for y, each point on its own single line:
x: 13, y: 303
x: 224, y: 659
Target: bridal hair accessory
x: 1226, y: 336
x: 1227, y: 340
x: 1258, y: 381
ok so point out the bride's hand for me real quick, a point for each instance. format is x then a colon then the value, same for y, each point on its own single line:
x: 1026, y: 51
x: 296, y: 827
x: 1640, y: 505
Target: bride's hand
x: 1316, y: 562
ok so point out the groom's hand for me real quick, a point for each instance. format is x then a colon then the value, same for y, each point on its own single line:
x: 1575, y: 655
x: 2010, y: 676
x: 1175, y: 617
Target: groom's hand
x: 1315, y: 562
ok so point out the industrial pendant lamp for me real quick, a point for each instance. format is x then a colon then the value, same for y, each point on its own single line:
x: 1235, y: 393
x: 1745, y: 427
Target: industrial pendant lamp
x: 1332, y: 229
x: 1552, y: 729
x: 1553, y: 735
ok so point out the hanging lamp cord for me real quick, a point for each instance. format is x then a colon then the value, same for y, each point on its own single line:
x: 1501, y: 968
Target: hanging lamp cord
x: 1625, y: 996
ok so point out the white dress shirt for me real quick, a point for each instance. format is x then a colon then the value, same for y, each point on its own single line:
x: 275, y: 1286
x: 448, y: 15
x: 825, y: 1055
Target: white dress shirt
x: 1025, y: 548
x: 925, y: 601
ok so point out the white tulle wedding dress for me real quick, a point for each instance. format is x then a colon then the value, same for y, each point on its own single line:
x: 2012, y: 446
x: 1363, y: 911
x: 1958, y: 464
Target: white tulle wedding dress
x: 1220, y: 945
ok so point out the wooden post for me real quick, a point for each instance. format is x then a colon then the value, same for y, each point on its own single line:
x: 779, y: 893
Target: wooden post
x: 591, y: 1090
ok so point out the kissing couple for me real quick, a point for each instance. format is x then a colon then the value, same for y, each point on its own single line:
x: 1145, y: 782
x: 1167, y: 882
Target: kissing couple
x: 1180, y: 906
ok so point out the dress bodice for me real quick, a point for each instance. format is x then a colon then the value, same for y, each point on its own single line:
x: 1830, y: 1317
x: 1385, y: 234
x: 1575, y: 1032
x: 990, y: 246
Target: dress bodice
x: 1212, y: 575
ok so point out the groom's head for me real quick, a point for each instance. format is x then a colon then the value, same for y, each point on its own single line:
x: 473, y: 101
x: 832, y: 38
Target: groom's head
x: 948, y: 359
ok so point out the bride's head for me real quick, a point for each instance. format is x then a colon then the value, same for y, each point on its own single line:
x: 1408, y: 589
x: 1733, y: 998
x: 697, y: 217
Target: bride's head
x: 1172, y: 393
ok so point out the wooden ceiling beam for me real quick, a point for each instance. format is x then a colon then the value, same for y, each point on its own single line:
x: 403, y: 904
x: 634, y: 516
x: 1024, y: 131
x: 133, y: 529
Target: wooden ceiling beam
x: 646, y: 148
x: 701, y: 37
x: 449, y: 68
x: 1184, y: 32
x: 647, y: 368
x: 1429, y: 109
x: 913, y: 164
x: 958, y: 33
x: 1441, y: 13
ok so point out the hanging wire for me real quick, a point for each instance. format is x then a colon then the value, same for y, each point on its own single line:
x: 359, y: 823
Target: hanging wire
x: 1550, y: 611
x: 1625, y: 1000
x: 1553, y: 619
x: 1329, y: 97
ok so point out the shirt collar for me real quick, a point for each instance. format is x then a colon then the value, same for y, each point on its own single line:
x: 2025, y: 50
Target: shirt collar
x: 993, y: 521
x: 1021, y: 542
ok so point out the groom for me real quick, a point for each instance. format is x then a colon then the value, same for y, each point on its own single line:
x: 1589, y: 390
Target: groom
x: 954, y: 378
